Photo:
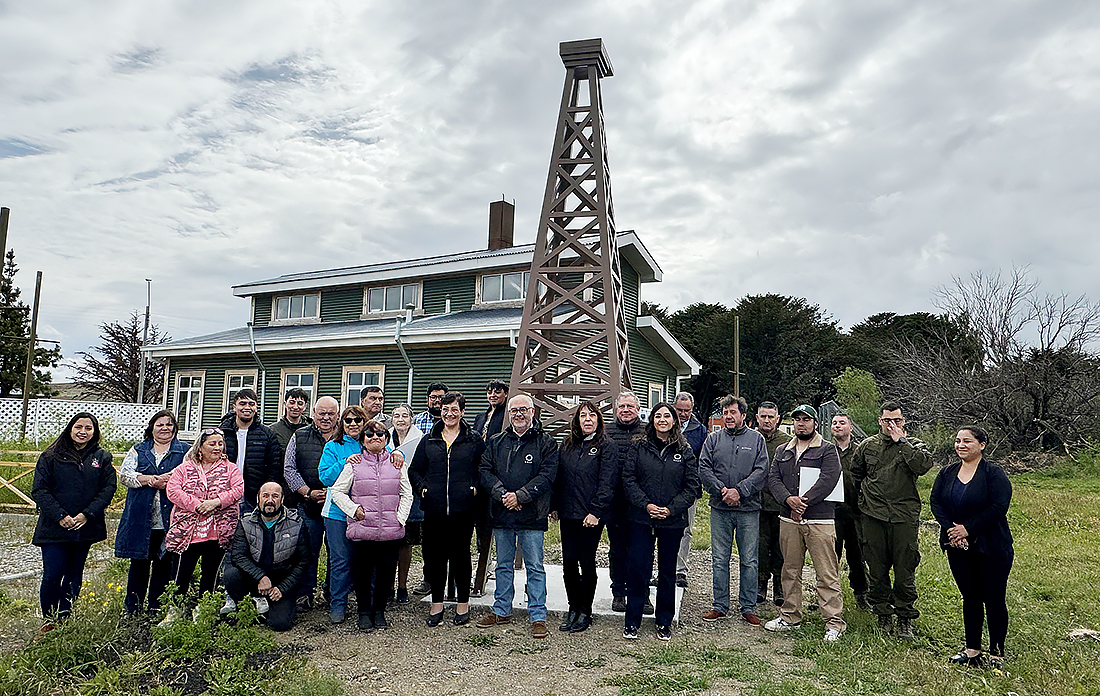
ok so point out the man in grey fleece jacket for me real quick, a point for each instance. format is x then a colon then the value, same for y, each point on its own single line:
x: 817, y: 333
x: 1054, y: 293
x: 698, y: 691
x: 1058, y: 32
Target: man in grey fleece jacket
x: 733, y: 467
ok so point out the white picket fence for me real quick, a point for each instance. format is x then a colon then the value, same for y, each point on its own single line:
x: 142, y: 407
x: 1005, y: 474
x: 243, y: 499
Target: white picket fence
x: 46, y: 418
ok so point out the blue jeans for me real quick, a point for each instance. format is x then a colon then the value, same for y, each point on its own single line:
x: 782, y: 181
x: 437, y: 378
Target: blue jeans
x: 723, y: 525
x: 339, y: 564
x: 530, y: 542
x: 63, y: 574
x: 315, y: 528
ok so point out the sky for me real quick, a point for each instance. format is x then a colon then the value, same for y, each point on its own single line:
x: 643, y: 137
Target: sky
x: 856, y: 153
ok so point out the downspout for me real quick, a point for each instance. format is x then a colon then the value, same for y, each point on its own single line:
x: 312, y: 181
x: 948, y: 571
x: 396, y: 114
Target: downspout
x: 404, y: 355
x: 263, y: 372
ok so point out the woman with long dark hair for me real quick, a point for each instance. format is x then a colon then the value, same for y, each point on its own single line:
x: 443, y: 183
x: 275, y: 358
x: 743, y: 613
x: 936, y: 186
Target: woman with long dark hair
x: 444, y: 474
x: 661, y: 481
x: 970, y: 500
x: 205, y: 490
x: 74, y: 481
x: 145, y: 519
x: 587, y: 477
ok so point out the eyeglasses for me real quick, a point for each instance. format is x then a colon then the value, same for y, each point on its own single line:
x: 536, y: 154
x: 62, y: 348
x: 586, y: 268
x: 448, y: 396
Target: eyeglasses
x: 374, y: 433
x: 435, y: 398
x: 353, y: 419
x: 520, y: 409
x: 454, y: 411
x: 211, y: 431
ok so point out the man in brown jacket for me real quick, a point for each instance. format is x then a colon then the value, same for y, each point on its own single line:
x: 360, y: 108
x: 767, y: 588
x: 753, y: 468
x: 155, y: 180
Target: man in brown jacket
x: 806, y: 522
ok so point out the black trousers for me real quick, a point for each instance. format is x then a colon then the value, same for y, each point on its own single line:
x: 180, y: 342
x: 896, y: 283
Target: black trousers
x: 578, y: 553
x: 769, y: 558
x: 62, y: 575
x: 149, y: 575
x: 208, y: 556
x: 848, y: 536
x: 446, y: 539
x: 280, y: 615
x: 373, y: 568
x: 642, y: 539
x: 618, y: 541
x: 983, y: 583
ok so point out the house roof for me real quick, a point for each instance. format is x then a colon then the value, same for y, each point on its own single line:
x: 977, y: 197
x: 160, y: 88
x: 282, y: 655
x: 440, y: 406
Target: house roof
x: 630, y: 247
x: 470, y: 325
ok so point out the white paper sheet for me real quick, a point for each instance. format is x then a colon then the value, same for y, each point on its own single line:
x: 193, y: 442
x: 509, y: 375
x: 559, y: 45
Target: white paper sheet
x: 807, y: 477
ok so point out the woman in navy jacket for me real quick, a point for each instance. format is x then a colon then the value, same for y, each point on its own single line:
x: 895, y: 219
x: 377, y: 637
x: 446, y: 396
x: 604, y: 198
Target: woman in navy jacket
x: 661, y: 481
x: 145, y: 520
x: 74, y: 482
x: 970, y: 501
x: 587, y: 476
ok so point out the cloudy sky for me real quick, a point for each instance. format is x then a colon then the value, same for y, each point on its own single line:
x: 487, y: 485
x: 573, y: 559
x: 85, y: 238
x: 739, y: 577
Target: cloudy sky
x: 856, y: 153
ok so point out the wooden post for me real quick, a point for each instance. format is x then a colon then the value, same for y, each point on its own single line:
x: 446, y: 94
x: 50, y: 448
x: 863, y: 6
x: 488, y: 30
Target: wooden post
x: 4, y: 213
x: 30, y: 355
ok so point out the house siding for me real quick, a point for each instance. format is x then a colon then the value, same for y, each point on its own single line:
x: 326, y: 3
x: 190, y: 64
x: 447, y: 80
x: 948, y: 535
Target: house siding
x: 460, y: 288
x: 342, y: 304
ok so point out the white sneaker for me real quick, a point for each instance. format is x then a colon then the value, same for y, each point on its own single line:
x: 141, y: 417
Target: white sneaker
x: 261, y: 604
x: 174, y: 614
x: 229, y: 607
x: 778, y: 624
x: 832, y: 635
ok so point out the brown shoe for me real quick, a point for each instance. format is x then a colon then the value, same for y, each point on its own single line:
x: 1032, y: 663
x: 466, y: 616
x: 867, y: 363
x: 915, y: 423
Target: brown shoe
x: 538, y: 629
x: 751, y: 618
x: 714, y: 615
x: 491, y: 619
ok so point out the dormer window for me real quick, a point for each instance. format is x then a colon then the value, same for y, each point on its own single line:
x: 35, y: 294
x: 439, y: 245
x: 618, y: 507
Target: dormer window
x: 297, y: 307
x: 392, y: 298
x: 504, y: 287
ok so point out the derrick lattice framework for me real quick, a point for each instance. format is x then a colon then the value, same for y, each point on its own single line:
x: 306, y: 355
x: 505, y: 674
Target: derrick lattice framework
x: 572, y: 343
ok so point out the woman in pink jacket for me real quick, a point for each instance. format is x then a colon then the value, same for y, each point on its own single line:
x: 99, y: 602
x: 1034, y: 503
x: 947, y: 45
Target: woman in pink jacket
x: 205, y: 491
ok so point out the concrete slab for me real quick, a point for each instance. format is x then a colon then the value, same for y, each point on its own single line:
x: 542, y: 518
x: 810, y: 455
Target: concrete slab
x: 555, y: 593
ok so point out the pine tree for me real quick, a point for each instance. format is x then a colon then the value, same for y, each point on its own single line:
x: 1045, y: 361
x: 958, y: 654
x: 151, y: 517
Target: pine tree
x: 15, y: 329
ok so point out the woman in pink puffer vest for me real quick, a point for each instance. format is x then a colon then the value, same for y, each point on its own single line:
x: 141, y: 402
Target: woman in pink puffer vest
x: 376, y: 496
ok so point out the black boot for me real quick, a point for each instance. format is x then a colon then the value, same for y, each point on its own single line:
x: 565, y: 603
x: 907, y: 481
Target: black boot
x: 584, y: 620
x: 568, y: 621
x: 380, y: 620
x: 365, y: 622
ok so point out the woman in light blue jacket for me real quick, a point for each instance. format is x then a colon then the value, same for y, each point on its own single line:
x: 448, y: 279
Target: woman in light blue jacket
x: 344, y: 444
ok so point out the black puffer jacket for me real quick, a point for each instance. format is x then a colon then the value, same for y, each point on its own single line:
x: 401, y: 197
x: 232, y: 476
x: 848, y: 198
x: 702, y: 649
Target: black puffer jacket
x: 587, y: 478
x: 665, y: 475
x: 70, y: 486
x: 525, y: 465
x: 263, y: 456
x: 446, y: 480
x: 623, y: 435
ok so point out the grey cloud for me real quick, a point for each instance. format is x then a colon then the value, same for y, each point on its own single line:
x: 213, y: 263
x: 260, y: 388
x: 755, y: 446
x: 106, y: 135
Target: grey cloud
x: 136, y: 60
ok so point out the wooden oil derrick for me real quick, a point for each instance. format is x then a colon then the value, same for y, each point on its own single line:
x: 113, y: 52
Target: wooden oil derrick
x: 572, y: 343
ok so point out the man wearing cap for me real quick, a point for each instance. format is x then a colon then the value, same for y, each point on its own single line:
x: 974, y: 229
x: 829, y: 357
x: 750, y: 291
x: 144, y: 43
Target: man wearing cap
x: 732, y: 466
x: 885, y: 469
x: 806, y: 522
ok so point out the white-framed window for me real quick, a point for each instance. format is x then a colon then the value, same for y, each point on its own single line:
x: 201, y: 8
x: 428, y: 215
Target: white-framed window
x: 296, y: 307
x: 504, y: 287
x: 236, y: 380
x: 303, y: 378
x: 189, y: 387
x: 392, y: 298
x: 566, y: 400
x: 358, y: 377
x: 656, y: 393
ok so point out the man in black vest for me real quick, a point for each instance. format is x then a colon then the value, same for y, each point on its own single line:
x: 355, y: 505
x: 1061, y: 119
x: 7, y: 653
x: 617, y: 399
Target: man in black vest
x: 295, y: 404
x: 303, y: 454
x: 267, y: 558
x: 626, y: 427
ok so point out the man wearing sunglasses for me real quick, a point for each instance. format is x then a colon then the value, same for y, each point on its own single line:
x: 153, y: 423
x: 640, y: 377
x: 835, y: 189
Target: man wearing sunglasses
x: 885, y: 469
x: 518, y: 469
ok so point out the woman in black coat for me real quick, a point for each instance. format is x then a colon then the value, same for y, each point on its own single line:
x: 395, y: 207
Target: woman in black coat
x: 444, y: 476
x: 587, y: 476
x: 661, y: 481
x: 74, y: 482
x: 970, y: 501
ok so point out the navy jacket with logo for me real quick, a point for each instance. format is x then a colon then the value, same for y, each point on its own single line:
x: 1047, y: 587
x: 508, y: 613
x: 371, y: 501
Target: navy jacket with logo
x: 525, y: 465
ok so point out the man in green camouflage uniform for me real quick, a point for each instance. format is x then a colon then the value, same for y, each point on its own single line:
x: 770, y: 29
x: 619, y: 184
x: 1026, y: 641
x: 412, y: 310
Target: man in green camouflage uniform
x: 769, y: 559
x: 885, y: 470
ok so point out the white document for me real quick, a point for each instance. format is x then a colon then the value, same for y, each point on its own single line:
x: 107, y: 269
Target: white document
x: 807, y: 477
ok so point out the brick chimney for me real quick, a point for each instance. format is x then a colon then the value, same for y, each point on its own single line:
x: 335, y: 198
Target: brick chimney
x: 502, y: 223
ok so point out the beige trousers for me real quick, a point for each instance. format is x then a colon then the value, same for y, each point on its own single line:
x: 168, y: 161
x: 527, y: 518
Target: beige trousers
x: 820, y: 540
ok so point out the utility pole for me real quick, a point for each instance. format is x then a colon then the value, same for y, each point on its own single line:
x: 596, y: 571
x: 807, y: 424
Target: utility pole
x: 144, y: 340
x: 30, y: 355
x: 4, y: 213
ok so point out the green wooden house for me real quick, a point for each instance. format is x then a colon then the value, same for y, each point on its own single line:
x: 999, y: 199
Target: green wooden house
x: 400, y: 325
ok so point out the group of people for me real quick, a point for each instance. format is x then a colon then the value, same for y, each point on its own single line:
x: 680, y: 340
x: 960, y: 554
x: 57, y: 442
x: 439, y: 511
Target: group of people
x: 253, y: 505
